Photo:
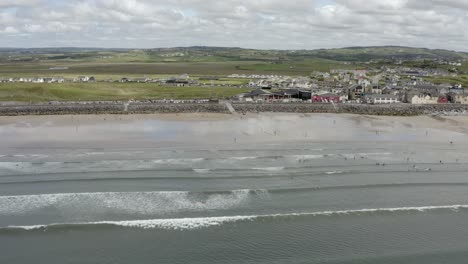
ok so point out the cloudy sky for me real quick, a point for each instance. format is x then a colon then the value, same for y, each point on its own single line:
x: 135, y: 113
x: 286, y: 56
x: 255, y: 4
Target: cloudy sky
x: 266, y: 24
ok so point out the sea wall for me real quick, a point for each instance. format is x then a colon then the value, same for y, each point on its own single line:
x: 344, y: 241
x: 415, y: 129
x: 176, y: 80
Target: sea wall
x: 388, y: 110
x: 110, y: 108
x: 158, y: 107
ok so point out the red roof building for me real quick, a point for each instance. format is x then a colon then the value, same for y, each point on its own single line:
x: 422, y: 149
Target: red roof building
x: 326, y: 98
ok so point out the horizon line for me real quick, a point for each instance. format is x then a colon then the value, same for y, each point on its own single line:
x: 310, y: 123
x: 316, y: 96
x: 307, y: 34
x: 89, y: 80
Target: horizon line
x: 227, y: 47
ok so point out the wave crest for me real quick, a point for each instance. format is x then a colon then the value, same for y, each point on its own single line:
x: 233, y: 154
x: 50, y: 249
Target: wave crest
x: 206, y: 222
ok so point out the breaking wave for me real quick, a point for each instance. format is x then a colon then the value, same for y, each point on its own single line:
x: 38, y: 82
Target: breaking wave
x: 270, y: 169
x: 206, y: 222
x: 144, y: 203
x: 334, y: 172
x: 201, y: 170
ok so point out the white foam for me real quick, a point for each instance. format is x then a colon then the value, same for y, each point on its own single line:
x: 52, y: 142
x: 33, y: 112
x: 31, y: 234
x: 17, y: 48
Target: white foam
x: 177, y: 161
x: 201, y: 170
x: 206, y: 222
x: 270, y: 169
x: 95, y: 166
x: 25, y: 156
x: 244, y: 158
x: 169, y: 224
x: 376, y: 154
x: 30, y: 228
x: 334, y: 172
x: 366, y: 155
x: 307, y: 157
x: 143, y: 203
x: 39, y: 156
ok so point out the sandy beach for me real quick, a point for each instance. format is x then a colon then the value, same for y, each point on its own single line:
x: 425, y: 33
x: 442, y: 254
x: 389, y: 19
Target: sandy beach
x: 322, y: 182
x: 226, y: 129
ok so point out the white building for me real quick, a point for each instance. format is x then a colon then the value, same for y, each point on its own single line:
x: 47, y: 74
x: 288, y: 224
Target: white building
x: 423, y: 99
x: 381, y: 99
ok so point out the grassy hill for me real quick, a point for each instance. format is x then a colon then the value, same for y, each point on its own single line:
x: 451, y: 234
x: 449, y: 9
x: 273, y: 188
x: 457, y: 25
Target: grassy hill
x: 220, y: 54
x: 203, y: 60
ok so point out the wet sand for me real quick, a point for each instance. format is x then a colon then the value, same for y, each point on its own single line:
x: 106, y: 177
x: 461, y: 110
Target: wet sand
x: 262, y: 127
x: 109, y: 131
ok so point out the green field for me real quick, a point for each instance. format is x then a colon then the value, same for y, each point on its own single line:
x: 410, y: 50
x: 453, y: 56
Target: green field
x: 461, y: 79
x: 108, y: 91
x: 203, y: 61
x: 119, y: 70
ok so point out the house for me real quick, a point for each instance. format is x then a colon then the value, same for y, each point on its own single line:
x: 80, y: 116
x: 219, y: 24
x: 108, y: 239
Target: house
x: 440, y: 89
x: 420, y: 99
x: 388, y: 90
x: 24, y: 80
x: 177, y: 82
x: 457, y: 89
x: 58, y: 80
x: 305, y: 95
x: 85, y: 79
x: 48, y: 80
x: 38, y: 80
x: 381, y: 99
x: 290, y: 93
x: 458, y: 98
x: 375, y: 89
x: 364, y: 82
x: 296, y: 94
x: 327, y: 98
x: 355, y: 92
x: 141, y: 80
x: 254, y: 95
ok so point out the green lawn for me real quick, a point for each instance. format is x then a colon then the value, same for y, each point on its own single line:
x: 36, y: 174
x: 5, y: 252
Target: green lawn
x: 108, y: 91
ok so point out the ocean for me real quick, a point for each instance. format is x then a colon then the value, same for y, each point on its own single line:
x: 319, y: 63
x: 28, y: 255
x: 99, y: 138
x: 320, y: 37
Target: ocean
x: 257, y: 189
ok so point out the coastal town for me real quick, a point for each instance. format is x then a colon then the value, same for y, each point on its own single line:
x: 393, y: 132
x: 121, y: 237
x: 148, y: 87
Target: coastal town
x: 384, y: 85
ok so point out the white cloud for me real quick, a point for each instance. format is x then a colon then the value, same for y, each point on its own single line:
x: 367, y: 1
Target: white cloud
x: 300, y: 24
x: 16, y: 3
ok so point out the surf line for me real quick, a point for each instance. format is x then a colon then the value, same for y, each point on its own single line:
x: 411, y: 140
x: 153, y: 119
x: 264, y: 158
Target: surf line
x: 205, y: 222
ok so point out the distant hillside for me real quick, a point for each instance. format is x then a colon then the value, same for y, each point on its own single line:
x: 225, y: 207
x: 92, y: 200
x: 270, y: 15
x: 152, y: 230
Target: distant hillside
x: 387, y: 52
x: 344, y: 54
x: 224, y: 54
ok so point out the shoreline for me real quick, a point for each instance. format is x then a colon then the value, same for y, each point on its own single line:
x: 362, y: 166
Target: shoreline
x: 120, y: 108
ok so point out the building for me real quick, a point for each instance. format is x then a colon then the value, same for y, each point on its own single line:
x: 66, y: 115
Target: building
x: 38, y: 80
x: 381, y: 99
x: 443, y: 100
x: 141, y: 80
x: 260, y: 95
x: 355, y: 92
x: 420, y: 99
x: 85, y: 79
x: 58, y: 80
x: 327, y: 98
x: 375, y: 89
x: 457, y: 89
x: 458, y: 98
